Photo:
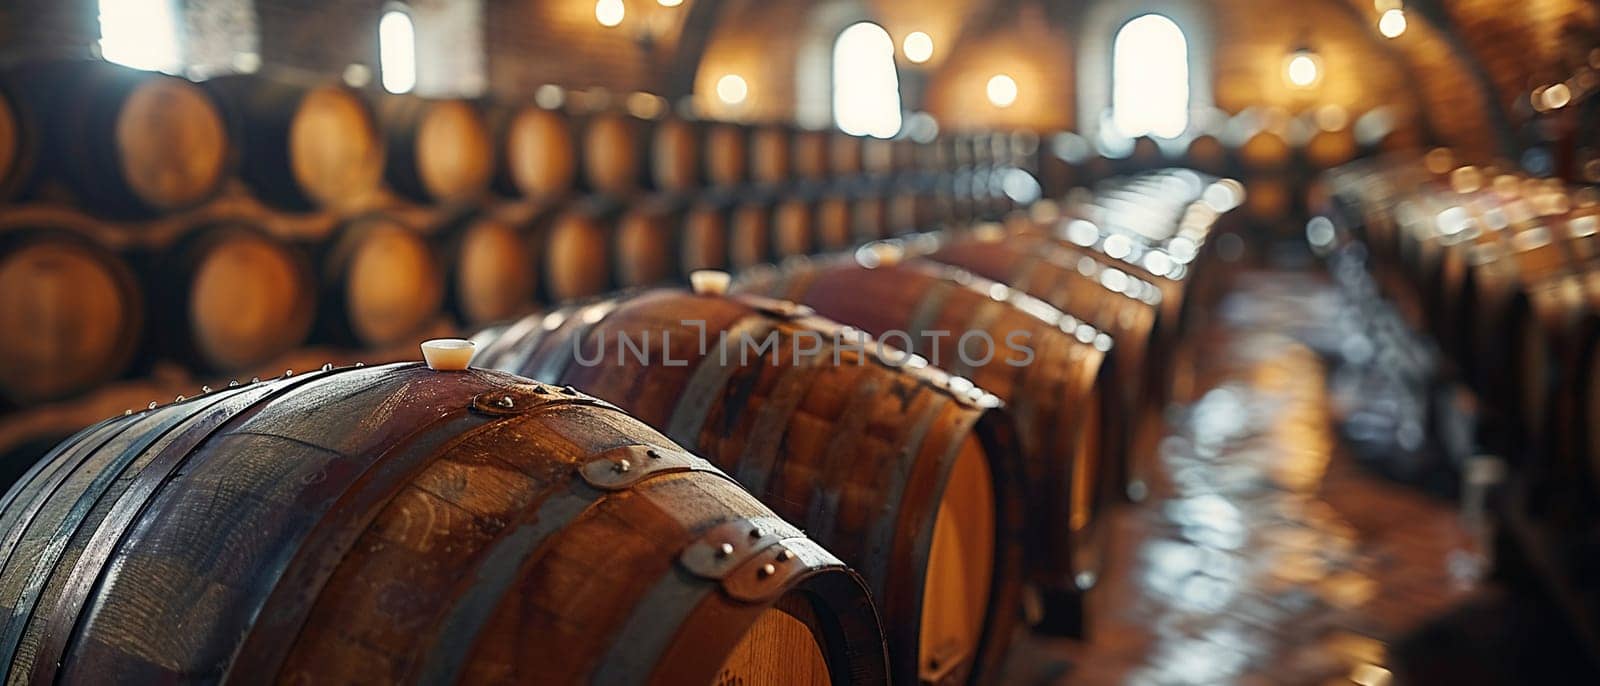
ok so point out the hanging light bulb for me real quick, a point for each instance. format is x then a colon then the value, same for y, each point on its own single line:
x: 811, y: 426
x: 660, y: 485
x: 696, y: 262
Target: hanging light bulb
x: 609, y: 12
x: 1392, y: 23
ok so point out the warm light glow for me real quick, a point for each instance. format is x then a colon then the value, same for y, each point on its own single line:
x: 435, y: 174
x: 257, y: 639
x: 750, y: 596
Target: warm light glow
x: 1002, y: 90
x: 669, y: 3
x: 142, y: 34
x: 918, y: 47
x: 866, y: 87
x: 609, y: 12
x: 1302, y: 70
x: 1557, y: 96
x: 732, y: 89
x: 1150, y: 78
x: 397, y: 52
x: 1392, y: 23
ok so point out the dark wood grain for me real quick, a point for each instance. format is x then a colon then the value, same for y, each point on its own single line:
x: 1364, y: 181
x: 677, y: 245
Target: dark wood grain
x: 400, y: 524
x: 857, y: 451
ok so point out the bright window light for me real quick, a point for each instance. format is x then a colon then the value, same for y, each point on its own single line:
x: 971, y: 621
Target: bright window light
x: 397, y: 52
x: 142, y: 34
x: 866, y: 88
x: 1150, y: 78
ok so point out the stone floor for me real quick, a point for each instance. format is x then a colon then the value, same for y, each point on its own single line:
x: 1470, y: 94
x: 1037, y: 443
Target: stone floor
x: 1268, y: 554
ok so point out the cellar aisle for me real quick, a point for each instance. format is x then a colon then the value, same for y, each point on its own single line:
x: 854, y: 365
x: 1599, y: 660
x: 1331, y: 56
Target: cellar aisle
x: 1269, y: 555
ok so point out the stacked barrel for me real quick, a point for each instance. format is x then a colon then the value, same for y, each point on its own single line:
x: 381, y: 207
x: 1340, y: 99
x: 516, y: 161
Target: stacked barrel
x: 1500, y: 268
x: 159, y: 233
x: 778, y: 475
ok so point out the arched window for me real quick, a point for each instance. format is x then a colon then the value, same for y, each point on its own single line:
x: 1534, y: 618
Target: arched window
x: 397, y: 51
x: 866, y: 88
x: 140, y: 33
x: 1150, y: 78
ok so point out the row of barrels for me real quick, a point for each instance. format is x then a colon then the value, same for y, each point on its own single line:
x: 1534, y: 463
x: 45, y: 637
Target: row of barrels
x: 124, y: 143
x: 1275, y: 169
x: 228, y: 294
x: 409, y: 523
x: 1505, y: 269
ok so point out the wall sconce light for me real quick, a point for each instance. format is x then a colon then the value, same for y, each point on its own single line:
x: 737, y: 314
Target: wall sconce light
x: 1303, y: 67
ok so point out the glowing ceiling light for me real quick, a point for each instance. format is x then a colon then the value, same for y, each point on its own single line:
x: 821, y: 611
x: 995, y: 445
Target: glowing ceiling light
x: 732, y: 89
x: 1303, y: 70
x: 1392, y: 23
x: 918, y: 47
x: 1002, y: 90
x: 609, y: 12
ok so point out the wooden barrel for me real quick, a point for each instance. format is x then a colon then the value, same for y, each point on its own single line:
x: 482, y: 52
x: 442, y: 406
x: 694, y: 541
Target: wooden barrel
x: 614, y: 148
x: 1049, y: 374
x: 869, y: 217
x: 771, y: 155
x: 19, y: 144
x: 381, y: 284
x: 702, y: 235
x: 490, y: 266
x: 644, y: 237
x: 810, y: 156
x: 439, y: 150
x: 727, y: 157
x: 409, y: 525
x: 128, y: 143
x: 877, y: 156
x: 576, y: 253
x: 1328, y: 149
x: 228, y: 297
x: 538, y: 152
x: 675, y: 156
x: 71, y: 312
x: 1146, y: 156
x: 844, y: 154
x: 1265, y: 159
x: 904, y: 476
x: 749, y: 234
x: 793, y: 227
x: 1207, y: 154
x: 835, y: 225
x: 302, y: 146
x: 1104, y: 296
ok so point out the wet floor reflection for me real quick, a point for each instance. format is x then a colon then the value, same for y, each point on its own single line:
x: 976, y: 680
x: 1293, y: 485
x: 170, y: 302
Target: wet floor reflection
x: 1266, y: 556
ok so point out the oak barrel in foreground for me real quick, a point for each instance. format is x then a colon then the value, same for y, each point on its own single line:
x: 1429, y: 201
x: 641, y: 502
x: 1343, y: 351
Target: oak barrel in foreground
x: 401, y: 524
x: 907, y: 477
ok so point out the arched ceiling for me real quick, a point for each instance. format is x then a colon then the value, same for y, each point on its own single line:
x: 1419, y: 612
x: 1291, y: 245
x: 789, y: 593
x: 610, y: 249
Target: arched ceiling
x: 1466, y: 64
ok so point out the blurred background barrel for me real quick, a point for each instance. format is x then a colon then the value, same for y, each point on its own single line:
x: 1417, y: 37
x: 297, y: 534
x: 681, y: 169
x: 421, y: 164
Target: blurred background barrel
x: 438, y: 150
x: 380, y: 283
x: 71, y: 311
x: 126, y: 143
x: 229, y: 297
x: 311, y: 487
x: 490, y: 266
x: 538, y: 152
x: 302, y: 146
